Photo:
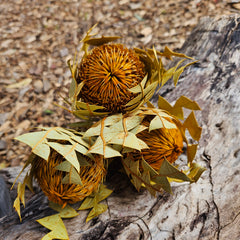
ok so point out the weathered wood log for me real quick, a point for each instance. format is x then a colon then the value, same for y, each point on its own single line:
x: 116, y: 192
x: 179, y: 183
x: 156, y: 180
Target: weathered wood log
x: 209, y: 209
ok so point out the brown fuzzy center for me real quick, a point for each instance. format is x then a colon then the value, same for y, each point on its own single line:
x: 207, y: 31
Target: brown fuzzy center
x: 108, y: 72
x: 50, y: 179
x: 163, y: 143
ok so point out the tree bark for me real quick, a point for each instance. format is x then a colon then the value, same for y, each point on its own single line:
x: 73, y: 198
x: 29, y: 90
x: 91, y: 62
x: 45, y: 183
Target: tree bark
x: 209, y: 209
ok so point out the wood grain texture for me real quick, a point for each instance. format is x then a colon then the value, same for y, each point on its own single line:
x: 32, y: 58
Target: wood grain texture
x: 209, y: 209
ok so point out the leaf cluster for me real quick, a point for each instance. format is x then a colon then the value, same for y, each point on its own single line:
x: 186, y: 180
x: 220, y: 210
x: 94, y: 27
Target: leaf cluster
x: 115, y: 136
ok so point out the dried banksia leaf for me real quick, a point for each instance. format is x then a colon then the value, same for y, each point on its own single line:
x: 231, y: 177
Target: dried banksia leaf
x: 93, y: 201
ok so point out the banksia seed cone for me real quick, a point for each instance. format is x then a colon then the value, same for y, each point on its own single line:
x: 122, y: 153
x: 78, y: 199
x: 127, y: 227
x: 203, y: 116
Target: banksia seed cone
x: 108, y: 73
x: 50, y: 179
x: 163, y: 143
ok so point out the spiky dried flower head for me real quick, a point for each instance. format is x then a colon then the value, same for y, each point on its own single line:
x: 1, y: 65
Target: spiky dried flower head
x: 163, y: 144
x: 108, y: 73
x: 50, y: 179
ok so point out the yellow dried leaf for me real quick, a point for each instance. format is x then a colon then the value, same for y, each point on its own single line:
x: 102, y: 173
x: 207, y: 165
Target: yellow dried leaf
x: 168, y: 53
x: 66, y: 212
x: 160, y: 122
x: 177, y: 73
x: 100, y: 148
x: 168, y: 170
x: 72, y: 177
x: 67, y: 151
x: 192, y: 126
x: 186, y: 103
x: 16, y: 205
x: 139, y: 88
x: 191, y: 152
x: 56, y: 225
x: 97, y: 210
x: 195, y: 172
x: 36, y: 141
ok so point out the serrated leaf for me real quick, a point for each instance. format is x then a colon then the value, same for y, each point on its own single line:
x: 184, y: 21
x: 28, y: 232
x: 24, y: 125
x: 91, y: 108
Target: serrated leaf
x: 93, y: 202
x: 191, y: 152
x: 42, y: 151
x: 56, y: 225
x: 176, y: 110
x: 168, y: 53
x: 29, y: 181
x: 143, y: 97
x: 104, y: 150
x: 97, y: 210
x: 148, y: 168
x: 163, y: 183
x: 128, y: 140
x: 170, y: 72
x: 36, y: 141
x: 196, y: 172
x: 93, y: 131
x: 80, y: 140
x: 138, y: 129
x: 192, y: 126
x: 67, y: 151
x: 87, y: 203
x: 72, y: 88
x: 20, y: 196
x: 29, y: 161
x: 150, y: 105
x: 82, y: 160
x: 165, y: 105
x: 110, y: 120
x: 132, y: 122
x: 160, y: 122
x: 66, y: 212
x: 79, y: 148
x: 168, y: 170
x: 130, y: 166
x: 186, y: 103
x: 103, y: 193
x: 125, y: 124
x: 16, y: 205
x: 139, y: 88
x: 177, y: 74
x: 57, y: 133
x: 137, y: 183
x: 147, y: 183
x: 72, y: 177
x: 64, y: 166
x: 65, y: 131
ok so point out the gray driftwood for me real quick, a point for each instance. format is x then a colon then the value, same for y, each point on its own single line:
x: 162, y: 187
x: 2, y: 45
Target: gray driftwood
x: 209, y: 209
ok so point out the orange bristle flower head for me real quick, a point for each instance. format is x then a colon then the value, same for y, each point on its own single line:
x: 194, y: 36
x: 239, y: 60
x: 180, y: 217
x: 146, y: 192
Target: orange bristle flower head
x: 50, y: 179
x: 108, y: 72
x: 163, y: 144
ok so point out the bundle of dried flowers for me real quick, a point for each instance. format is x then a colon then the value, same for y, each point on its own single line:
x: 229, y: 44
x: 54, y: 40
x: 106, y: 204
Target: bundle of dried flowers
x: 111, y: 88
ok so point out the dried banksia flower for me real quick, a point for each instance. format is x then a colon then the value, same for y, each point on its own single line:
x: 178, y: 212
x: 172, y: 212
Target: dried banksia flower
x: 51, y: 179
x: 108, y: 73
x: 110, y: 78
x: 163, y: 144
